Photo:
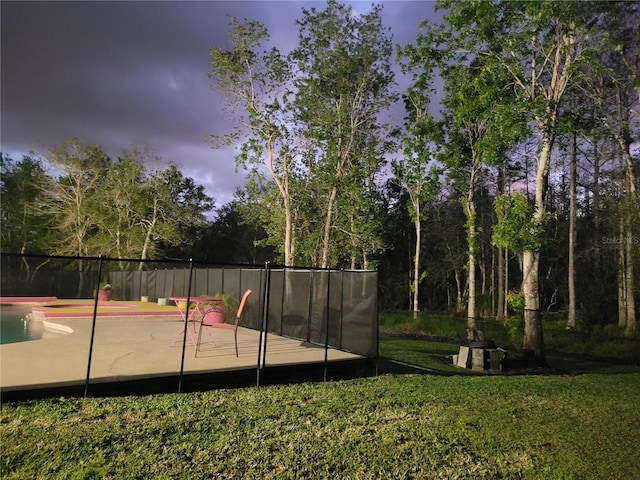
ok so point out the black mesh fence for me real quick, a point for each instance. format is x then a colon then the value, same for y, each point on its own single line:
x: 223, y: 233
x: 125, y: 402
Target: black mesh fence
x: 301, y: 303
x: 332, y: 309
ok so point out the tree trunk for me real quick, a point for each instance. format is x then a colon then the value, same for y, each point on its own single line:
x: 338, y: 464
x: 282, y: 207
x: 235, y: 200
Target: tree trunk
x: 289, y: 250
x: 282, y: 182
x: 326, y: 236
x: 501, y: 310
x: 505, y: 306
x: 492, y: 276
x: 627, y: 239
x: 626, y: 277
x: 410, y: 279
x: 472, y: 330
x: 533, y: 340
x: 483, y: 271
x: 458, y: 290
x: 531, y: 259
x: 629, y: 279
x: 571, y: 274
x: 597, y: 258
x: 416, y: 264
x: 470, y: 213
x: 622, y: 279
x: 501, y: 273
x: 147, y: 237
x: 626, y: 297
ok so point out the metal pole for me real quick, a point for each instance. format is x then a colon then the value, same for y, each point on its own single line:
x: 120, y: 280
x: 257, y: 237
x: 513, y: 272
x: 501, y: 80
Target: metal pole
x: 326, y: 335
x: 93, y: 329
x: 266, y: 316
x: 186, y: 325
x: 341, y: 329
x: 310, y: 304
x: 377, y: 332
x: 265, y: 310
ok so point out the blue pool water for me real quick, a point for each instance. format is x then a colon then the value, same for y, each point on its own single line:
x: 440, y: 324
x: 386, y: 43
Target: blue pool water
x: 15, y: 325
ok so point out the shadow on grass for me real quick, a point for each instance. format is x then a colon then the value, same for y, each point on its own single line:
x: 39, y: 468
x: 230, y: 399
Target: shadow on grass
x: 392, y: 366
x: 428, y: 357
x: 578, y: 364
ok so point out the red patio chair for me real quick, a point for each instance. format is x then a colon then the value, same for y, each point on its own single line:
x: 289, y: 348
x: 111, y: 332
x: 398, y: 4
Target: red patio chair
x: 227, y: 326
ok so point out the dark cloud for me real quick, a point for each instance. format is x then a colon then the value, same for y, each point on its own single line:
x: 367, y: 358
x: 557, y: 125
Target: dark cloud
x: 116, y: 73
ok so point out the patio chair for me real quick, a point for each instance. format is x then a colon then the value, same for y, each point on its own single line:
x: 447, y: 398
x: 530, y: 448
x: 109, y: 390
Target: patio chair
x: 204, y: 323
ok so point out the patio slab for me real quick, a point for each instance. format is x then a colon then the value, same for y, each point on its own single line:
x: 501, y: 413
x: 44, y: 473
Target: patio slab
x: 138, y: 347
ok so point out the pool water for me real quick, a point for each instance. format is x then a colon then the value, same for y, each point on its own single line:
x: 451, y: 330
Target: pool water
x: 16, y: 327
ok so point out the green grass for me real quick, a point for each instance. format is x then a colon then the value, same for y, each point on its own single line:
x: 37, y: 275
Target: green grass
x: 442, y: 423
x: 435, y: 357
x: 410, y: 426
x: 608, y: 343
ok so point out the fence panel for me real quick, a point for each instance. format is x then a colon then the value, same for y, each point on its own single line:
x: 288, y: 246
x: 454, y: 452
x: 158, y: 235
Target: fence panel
x: 336, y: 308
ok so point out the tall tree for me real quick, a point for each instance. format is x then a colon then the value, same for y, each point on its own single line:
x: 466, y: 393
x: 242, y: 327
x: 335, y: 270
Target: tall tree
x: 256, y: 86
x: 418, y: 179
x: 122, y: 208
x: 312, y: 120
x: 422, y: 134
x: 174, y: 211
x: 481, y: 120
x: 421, y: 187
x: 343, y: 85
x: 616, y: 89
x: 571, y: 274
x: 22, y: 226
x: 71, y: 199
x: 540, y: 46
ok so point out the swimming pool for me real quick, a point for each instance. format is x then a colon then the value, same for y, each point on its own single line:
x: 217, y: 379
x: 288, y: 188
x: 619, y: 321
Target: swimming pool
x: 15, y: 325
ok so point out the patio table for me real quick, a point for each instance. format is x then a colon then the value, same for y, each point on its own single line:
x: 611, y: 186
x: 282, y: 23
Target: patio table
x: 195, y: 315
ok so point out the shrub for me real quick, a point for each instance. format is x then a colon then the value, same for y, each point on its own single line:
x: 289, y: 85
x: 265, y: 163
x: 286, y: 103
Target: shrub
x: 515, y: 329
x: 515, y: 301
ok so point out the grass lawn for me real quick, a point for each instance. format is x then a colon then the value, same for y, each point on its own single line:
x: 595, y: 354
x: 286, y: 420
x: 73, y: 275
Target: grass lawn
x: 442, y: 423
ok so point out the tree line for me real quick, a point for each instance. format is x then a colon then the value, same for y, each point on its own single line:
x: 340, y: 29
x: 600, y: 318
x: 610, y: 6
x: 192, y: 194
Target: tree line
x: 77, y: 201
x: 511, y: 186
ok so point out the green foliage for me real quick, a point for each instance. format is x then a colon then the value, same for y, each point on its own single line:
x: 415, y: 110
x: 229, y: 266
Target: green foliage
x: 344, y: 83
x: 517, y: 227
x: 483, y: 305
x: 229, y: 305
x: 514, y: 326
x: 23, y: 226
x: 233, y: 237
x: 310, y: 121
x: 121, y: 208
x: 515, y: 301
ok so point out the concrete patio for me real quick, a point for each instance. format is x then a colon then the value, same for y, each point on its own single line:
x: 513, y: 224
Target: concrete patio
x: 138, y: 348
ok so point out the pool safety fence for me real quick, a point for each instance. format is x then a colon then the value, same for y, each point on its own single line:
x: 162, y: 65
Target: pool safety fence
x: 324, y: 308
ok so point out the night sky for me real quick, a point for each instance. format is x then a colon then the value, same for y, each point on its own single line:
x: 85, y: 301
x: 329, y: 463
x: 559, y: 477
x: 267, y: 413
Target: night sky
x: 119, y: 73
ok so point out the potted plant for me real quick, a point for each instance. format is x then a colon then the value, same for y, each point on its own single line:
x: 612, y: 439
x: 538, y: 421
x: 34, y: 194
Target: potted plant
x: 221, y: 309
x: 105, y: 292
